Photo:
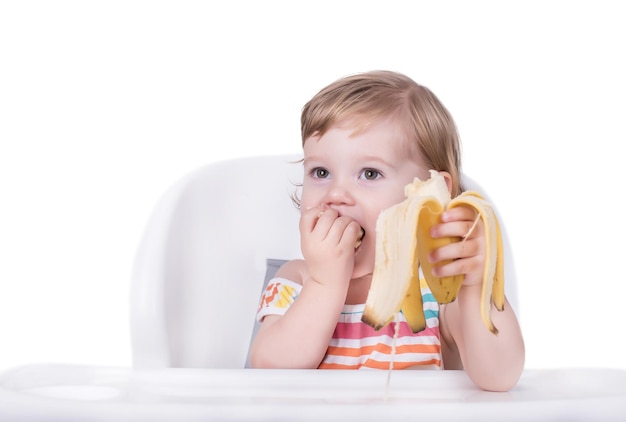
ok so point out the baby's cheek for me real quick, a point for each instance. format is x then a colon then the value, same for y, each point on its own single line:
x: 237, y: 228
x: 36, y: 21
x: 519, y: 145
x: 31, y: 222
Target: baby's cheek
x: 305, y: 204
x: 310, y: 199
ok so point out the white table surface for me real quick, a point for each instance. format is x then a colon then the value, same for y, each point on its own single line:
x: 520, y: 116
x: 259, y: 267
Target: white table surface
x: 90, y: 393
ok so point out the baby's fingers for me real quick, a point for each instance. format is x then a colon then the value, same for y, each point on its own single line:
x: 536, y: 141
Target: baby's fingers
x: 308, y: 218
x: 319, y: 218
x: 351, y: 234
x: 459, y: 213
x: 463, y: 224
x: 458, y: 266
x: 455, y: 250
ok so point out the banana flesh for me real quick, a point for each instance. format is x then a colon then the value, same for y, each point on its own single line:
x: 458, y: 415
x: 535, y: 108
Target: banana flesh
x: 402, y: 244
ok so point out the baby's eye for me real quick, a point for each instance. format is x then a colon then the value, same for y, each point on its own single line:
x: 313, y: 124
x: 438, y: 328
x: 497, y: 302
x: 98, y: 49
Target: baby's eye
x: 320, y: 173
x: 370, y: 174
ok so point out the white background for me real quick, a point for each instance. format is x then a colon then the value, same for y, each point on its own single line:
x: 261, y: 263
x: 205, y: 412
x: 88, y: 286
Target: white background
x: 103, y: 105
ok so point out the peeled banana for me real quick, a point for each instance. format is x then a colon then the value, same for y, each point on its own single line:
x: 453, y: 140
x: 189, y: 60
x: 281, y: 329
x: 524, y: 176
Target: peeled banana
x: 402, y: 244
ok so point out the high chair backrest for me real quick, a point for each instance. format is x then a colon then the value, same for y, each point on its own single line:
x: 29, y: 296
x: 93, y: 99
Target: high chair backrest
x: 201, y: 265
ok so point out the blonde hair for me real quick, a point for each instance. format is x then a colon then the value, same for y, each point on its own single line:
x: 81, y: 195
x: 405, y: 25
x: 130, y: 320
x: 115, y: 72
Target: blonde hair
x: 366, y: 98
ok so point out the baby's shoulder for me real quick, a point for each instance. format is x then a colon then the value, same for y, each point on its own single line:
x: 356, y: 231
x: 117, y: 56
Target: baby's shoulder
x: 294, y: 270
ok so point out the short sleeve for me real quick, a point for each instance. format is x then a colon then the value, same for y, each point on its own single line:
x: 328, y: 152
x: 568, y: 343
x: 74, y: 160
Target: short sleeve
x: 277, y: 297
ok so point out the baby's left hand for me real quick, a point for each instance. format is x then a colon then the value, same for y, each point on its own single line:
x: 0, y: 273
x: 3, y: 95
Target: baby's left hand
x: 468, y: 254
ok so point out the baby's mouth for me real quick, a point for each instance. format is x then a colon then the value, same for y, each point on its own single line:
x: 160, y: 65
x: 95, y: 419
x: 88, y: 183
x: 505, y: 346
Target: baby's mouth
x: 360, y: 238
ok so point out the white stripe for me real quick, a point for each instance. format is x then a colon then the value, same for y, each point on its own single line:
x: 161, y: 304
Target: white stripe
x: 354, y: 319
x: 388, y: 340
x: 410, y: 368
x: 431, y: 306
x: 345, y: 360
x: 404, y: 357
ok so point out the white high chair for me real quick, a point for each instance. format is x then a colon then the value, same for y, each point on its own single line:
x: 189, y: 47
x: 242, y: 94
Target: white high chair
x: 211, y: 243
x: 200, y: 268
x: 208, y: 248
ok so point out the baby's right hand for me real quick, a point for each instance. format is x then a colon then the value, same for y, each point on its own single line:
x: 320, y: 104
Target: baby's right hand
x: 327, y: 242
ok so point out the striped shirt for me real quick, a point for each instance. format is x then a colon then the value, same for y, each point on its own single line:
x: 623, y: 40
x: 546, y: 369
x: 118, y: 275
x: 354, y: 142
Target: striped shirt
x: 356, y: 345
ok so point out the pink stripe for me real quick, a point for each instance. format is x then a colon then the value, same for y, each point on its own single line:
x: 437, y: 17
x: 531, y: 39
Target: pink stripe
x: 359, y: 330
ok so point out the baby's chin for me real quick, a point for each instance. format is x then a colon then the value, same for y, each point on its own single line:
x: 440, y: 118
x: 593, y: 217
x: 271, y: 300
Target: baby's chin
x: 363, y: 261
x: 362, y: 270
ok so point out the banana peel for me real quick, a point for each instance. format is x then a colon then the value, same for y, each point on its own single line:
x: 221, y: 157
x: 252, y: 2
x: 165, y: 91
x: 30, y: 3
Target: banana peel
x: 402, y: 244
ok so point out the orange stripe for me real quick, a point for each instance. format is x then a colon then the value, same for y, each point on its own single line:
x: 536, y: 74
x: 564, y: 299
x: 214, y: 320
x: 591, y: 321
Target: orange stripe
x: 382, y: 348
x: 270, y: 292
x: 374, y: 364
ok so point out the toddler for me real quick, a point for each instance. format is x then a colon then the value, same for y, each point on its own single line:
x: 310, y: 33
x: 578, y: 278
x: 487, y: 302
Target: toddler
x: 364, y: 138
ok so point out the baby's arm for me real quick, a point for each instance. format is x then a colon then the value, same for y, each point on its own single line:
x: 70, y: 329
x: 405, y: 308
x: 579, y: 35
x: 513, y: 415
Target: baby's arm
x: 300, y: 338
x: 493, y: 362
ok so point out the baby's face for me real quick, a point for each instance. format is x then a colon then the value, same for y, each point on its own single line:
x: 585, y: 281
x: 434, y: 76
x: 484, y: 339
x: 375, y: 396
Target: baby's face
x: 359, y: 176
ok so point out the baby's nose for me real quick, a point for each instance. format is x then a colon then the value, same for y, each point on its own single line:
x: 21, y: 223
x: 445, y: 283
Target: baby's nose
x: 338, y: 193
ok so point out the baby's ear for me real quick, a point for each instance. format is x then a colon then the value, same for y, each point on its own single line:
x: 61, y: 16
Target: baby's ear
x: 448, y: 180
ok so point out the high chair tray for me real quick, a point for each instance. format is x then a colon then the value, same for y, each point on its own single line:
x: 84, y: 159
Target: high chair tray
x: 91, y: 393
